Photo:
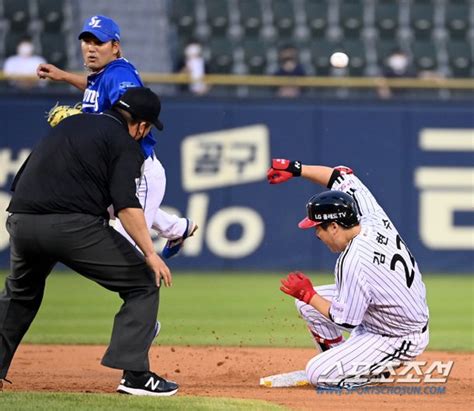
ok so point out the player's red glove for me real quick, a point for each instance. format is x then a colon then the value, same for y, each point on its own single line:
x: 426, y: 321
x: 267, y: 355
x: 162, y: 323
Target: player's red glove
x: 282, y: 170
x: 298, y: 286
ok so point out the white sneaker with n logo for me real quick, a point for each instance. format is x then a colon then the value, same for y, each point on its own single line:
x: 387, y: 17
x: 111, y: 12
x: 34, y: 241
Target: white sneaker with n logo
x: 146, y: 383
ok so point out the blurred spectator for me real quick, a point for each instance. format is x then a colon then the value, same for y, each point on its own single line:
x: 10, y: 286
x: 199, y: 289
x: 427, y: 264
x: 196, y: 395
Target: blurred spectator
x: 289, y: 65
x: 194, y: 65
x: 24, y: 63
x: 397, y: 65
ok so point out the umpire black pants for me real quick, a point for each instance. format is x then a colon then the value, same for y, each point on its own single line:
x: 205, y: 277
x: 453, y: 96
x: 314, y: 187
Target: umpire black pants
x: 86, y: 244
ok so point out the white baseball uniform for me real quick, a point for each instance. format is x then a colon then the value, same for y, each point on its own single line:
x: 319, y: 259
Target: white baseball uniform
x: 379, y: 295
x: 150, y: 191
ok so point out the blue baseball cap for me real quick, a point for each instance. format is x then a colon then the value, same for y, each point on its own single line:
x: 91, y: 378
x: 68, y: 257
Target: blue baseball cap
x: 102, y: 27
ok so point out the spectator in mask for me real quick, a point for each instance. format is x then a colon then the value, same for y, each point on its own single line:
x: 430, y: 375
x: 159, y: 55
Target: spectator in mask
x: 289, y: 65
x: 396, y: 65
x: 194, y: 65
x: 24, y: 63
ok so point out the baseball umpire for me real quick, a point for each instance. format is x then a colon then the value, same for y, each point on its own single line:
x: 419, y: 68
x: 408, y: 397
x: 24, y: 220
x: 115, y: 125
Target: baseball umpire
x: 58, y: 213
x: 378, y: 295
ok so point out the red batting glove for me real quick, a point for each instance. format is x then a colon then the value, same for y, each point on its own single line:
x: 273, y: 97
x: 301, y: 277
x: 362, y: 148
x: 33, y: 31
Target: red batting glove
x: 298, y: 286
x: 282, y: 170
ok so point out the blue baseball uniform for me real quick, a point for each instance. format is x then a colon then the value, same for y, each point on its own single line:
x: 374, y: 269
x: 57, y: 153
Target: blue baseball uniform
x: 103, y: 89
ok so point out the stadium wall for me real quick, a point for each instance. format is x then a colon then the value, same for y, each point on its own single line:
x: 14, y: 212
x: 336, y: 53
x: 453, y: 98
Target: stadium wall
x: 415, y: 156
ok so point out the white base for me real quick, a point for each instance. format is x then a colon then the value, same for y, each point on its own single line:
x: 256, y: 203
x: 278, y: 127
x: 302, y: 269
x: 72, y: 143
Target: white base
x: 290, y: 379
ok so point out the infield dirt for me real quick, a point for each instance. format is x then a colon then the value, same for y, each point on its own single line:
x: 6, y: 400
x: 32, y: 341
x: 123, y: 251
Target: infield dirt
x: 225, y: 372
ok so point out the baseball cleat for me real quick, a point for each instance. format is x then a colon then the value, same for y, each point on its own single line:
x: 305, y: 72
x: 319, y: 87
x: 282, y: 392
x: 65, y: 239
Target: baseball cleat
x: 172, y: 247
x: 146, y: 383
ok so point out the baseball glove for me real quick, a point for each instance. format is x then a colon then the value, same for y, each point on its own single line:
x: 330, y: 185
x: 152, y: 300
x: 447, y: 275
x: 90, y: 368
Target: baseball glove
x: 59, y: 113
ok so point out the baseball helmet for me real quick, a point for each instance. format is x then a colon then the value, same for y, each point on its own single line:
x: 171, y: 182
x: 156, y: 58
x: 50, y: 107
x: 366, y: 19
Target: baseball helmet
x: 331, y: 206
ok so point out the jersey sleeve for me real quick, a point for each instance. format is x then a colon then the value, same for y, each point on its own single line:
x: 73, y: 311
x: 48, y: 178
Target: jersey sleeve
x: 352, y: 297
x: 118, y: 81
x: 343, y: 179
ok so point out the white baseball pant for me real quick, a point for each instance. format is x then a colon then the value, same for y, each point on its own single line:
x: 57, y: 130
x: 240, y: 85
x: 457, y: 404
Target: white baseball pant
x: 352, y: 363
x: 150, y: 191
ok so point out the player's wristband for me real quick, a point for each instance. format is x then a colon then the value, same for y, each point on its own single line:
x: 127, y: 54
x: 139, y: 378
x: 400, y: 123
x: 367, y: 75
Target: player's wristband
x: 294, y: 167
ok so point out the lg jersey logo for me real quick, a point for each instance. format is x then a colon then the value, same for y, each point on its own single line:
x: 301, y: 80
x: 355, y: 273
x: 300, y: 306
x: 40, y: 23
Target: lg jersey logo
x: 445, y: 191
x: 223, y: 159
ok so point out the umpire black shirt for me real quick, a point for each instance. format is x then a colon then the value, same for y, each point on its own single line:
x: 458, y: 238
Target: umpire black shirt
x: 85, y: 164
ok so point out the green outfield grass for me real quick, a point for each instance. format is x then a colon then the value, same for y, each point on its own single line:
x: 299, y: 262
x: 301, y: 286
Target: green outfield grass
x: 236, y: 309
x: 103, y: 402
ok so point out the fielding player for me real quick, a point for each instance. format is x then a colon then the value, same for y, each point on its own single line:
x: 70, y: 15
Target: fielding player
x: 110, y: 76
x: 378, y: 295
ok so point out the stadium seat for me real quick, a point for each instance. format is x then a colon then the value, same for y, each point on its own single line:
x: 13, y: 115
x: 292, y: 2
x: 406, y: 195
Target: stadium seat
x: 457, y: 18
x: 54, y: 49
x: 321, y: 51
x: 183, y: 17
x: 283, y: 17
x: 461, y: 60
x: 355, y: 49
x: 12, y: 38
x: 317, y: 16
x: 386, y: 17
x: 217, y: 16
x: 351, y: 17
x: 250, y: 16
x: 254, y: 51
x: 422, y: 18
x: 17, y: 13
x: 50, y: 13
x: 424, y: 55
x: 384, y: 47
x: 220, y: 55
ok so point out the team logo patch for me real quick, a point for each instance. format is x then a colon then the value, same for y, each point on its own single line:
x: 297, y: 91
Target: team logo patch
x: 126, y: 84
x: 95, y: 22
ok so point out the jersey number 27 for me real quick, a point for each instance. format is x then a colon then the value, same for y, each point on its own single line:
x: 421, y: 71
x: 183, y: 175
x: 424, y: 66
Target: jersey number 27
x: 397, y: 258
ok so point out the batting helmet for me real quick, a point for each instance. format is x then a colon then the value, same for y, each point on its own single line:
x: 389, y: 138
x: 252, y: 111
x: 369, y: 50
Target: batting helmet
x: 331, y: 206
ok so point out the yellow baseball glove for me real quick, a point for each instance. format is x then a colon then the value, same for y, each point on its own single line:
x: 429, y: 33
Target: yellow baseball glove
x: 59, y: 113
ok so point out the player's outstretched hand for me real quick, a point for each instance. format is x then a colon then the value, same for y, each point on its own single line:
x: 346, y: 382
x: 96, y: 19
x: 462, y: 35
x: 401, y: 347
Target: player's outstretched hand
x: 162, y: 272
x: 50, y: 71
x: 282, y: 170
x: 298, y: 286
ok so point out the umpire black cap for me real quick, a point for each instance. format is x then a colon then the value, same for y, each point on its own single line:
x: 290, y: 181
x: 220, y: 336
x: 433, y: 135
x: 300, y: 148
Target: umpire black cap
x: 331, y: 206
x: 142, y: 104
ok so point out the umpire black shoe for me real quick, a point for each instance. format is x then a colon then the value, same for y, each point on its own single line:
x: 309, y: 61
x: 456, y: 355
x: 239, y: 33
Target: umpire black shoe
x: 146, y: 383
